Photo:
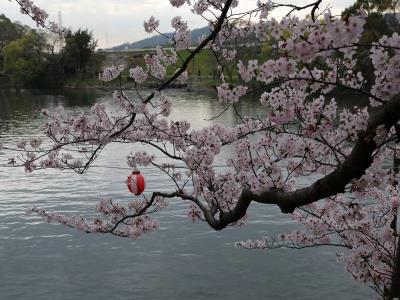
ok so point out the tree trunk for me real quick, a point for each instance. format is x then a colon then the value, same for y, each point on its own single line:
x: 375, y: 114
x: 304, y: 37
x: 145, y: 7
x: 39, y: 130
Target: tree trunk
x: 395, y: 286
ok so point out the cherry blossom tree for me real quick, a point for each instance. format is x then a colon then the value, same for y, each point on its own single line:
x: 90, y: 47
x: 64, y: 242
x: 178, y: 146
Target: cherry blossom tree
x: 354, y: 202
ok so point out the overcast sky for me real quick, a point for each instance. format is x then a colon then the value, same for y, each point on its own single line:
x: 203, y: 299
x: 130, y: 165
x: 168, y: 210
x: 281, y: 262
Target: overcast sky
x: 114, y: 22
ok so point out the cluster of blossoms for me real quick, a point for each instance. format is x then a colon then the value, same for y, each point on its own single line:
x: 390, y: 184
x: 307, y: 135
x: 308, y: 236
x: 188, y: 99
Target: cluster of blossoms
x: 156, y: 64
x: 247, y: 74
x: 183, y: 77
x: 38, y: 15
x: 151, y: 25
x: 140, y: 158
x: 349, y: 224
x: 181, y: 38
x: 301, y: 135
x: 387, y: 68
x: 265, y: 8
x: 229, y: 55
x: 133, y: 222
x: 225, y: 94
x: 177, y: 3
x: 138, y: 74
x: 111, y: 73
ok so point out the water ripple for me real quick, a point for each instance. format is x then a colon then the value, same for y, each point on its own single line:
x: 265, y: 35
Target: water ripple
x: 182, y: 260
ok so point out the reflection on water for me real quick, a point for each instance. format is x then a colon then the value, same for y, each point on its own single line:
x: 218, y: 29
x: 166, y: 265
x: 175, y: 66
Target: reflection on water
x: 182, y: 260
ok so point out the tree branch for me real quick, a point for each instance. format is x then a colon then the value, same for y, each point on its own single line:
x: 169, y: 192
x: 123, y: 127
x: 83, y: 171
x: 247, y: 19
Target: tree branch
x: 204, y: 43
x: 353, y: 167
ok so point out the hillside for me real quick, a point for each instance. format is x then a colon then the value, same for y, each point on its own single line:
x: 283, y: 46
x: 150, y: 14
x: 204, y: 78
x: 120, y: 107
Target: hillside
x: 160, y: 40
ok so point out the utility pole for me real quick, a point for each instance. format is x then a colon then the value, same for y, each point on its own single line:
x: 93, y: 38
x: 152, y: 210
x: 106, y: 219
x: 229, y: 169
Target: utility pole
x: 61, y: 32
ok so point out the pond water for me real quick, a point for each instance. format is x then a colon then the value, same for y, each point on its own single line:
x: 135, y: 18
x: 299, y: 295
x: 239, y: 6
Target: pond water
x: 182, y: 260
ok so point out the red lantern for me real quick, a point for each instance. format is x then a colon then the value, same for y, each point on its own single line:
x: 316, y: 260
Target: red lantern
x: 135, y: 183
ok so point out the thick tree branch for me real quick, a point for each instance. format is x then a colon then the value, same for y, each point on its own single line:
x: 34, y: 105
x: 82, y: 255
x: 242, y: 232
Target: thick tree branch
x: 353, y: 167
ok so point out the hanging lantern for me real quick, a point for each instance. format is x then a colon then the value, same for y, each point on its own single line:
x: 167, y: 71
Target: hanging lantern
x: 135, y: 183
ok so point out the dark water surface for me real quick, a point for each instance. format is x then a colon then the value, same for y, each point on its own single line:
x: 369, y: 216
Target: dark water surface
x: 182, y: 260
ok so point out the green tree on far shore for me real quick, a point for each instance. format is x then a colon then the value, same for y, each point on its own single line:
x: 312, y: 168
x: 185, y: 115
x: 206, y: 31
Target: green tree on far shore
x: 24, y: 59
x: 78, y: 56
x: 9, y: 31
x: 378, y: 6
